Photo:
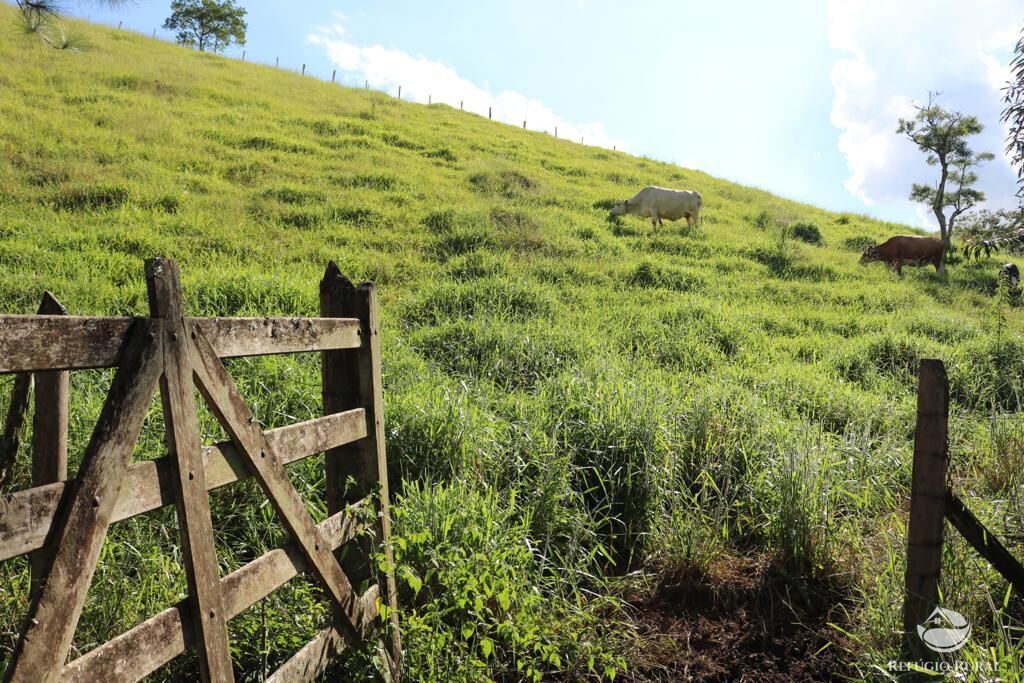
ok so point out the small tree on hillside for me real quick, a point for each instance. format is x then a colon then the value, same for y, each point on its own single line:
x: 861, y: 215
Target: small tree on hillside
x: 942, y: 135
x: 207, y: 24
x: 1007, y: 227
x: 1013, y: 114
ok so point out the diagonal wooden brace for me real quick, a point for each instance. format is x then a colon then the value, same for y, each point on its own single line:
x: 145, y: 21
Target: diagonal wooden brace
x: 227, y: 403
x: 85, y: 516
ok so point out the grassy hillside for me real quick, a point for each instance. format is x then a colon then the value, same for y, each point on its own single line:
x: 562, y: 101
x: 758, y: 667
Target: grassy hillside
x: 581, y: 414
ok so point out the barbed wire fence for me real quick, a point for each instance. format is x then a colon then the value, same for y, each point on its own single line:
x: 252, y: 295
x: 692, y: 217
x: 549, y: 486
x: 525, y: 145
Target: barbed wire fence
x: 366, y: 86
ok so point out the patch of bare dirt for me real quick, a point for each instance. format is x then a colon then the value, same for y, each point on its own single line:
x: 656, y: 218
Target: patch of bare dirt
x: 744, y: 620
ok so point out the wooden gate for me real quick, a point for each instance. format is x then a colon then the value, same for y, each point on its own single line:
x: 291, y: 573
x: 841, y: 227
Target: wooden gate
x: 63, y: 522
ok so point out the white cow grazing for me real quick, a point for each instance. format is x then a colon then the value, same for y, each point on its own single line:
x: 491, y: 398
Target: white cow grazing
x: 660, y: 202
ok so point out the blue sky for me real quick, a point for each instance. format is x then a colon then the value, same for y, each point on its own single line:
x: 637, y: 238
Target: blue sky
x: 799, y: 97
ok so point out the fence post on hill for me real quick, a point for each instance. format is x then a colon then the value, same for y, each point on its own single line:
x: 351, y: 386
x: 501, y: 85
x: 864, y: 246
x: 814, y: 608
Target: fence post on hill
x: 303, y: 69
x: 154, y: 33
x: 927, y: 503
x: 243, y: 55
x: 277, y: 62
x: 488, y: 112
x: 524, y: 124
x: 399, y: 92
x: 366, y: 85
x: 352, y: 378
x: 430, y: 99
x: 333, y: 74
x: 49, y: 435
x: 460, y: 105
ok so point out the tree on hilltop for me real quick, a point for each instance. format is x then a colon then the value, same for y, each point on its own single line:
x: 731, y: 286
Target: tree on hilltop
x: 942, y: 135
x: 207, y: 24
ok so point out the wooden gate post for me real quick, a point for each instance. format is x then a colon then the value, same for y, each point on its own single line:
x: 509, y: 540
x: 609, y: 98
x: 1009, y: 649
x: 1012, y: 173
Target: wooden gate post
x: 209, y: 618
x: 927, y: 503
x: 351, y: 379
x: 49, y: 434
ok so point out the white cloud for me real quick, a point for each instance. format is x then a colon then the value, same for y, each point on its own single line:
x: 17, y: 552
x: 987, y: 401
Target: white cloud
x: 423, y: 80
x: 897, y: 52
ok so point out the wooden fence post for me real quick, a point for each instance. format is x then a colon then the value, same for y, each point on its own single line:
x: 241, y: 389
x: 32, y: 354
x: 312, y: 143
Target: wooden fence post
x: 209, y: 618
x: 556, y: 131
x: 303, y: 69
x: 430, y: 99
x: 243, y: 55
x: 333, y: 74
x: 276, y: 61
x: 366, y: 85
x: 524, y: 124
x: 927, y: 503
x: 488, y: 112
x: 352, y: 378
x: 399, y: 92
x: 49, y: 434
x: 460, y: 105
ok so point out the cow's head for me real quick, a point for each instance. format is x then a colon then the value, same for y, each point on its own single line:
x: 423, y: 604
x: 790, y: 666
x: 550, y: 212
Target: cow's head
x: 621, y: 209
x: 870, y: 254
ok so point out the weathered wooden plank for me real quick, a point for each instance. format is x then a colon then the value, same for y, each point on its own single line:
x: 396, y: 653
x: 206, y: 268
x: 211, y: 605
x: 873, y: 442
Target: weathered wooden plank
x: 156, y: 641
x: 60, y: 342
x: 14, y: 425
x: 927, y: 501
x: 354, y: 379
x: 313, y: 660
x: 49, y: 434
x: 227, y: 403
x: 233, y: 337
x: 163, y: 282
x: 983, y: 541
x: 27, y: 516
x: 82, y: 525
x: 67, y: 342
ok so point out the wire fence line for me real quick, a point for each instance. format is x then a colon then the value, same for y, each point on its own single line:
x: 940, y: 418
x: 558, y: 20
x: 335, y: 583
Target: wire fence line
x: 366, y: 86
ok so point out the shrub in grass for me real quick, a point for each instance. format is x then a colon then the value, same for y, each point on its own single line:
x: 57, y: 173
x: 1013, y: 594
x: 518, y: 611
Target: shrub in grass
x: 487, y: 296
x: 652, y: 276
x: 859, y: 243
x: 987, y: 373
x: 474, y: 265
x: 434, y: 433
x: 75, y: 198
x: 471, y: 607
x: 508, y: 184
x: 807, y: 232
x: 510, y: 356
x: 612, y: 429
x: 762, y: 221
x: 798, y: 491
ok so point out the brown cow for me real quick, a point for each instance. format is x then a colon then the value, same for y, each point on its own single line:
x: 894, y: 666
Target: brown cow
x: 906, y: 250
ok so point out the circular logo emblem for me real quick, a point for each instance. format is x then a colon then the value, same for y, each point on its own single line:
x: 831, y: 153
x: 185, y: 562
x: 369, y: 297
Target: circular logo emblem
x: 944, y: 630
